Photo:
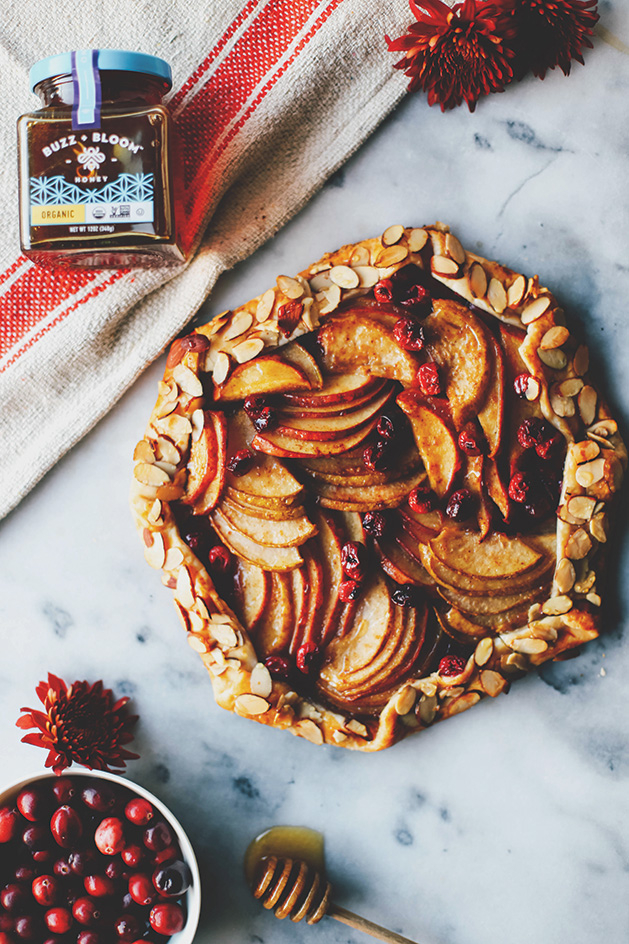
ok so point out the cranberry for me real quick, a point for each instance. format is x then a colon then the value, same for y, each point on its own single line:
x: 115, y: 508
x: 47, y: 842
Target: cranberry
x: 388, y: 427
x: 255, y: 404
x: 376, y: 456
x: 429, y: 380
x: 9, y: 823
x: 415, y: 297
x: 14, y: 898
x: 383, y: 290
x: 374, y: 523
x: 220, y: 559
x: 451, y: 665
x: 167, y: 919
x: 63, y: 790
x: 100, y: 799
x: 109, y: 836
x: 36, y: 838
x: 409, y: 334
x: 471, y: 440
x: 6, y: 939
x: 66, y: 827
x: 158, y: 837
x: 519, y: 487
x: 114, y: 869
x: 173, y: 880
x: 141, y: 889
x: 58, y: 920
x: 45, y: 890
x: 32, y: 804
x: 139, y: 811
x: 86, y: 911
x: 548, y: 448
x: 349, y: 590
x: 278, y: 666
x: 132, y: 855
x: 460, y: 505
x: 266, y: 419
x: 25, y: 873
x: 166, y: 855
x: 520, y: 385
x: 62, y: 867
x: 422, y: 499
x: 306, y: 657
x: 531, y: 432
x: 404, y: 595
x: 240, y: 462
x: 90, y: 937
x: 99, y: 886
x: 28, y: 927
x: 81, y: 862
x: 353, y: 560
x: 127, y: 927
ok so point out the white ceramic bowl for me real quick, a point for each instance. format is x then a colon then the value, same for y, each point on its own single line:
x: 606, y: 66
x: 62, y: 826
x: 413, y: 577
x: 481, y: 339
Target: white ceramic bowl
x: 193, y: 895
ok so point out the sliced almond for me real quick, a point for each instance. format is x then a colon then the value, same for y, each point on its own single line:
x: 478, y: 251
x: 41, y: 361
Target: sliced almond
x: 344, y: 276
x: 515, y: 292
x: 405, y: 700
x: 462, y: 703
x: 598, y: 528
x: 529, y: 647
x: 154, y: 514
x: 247, y: 350
x: 168, y: 389
x: 492, y: 682
x: 224, y: 634
x: 427, y: 709
x: 289, y: 286
x: 554, y: 358
x: 165, y: 407
x: 535, y: 310
x: 149, y: 474
x: 144, y: 452
x: 581, y: 507
x: 197, y: 421
x: 197, y: 643
x: 562, y: 406
x: 565, y: 575
x: 585, y: 450
x: 546, y: 628
x: 309, y: 730
x: 167, y: 451
x: 581, y: 360
x: 586, y: 583
x: 532, y: 389
x: 392, y: 235
x: 197, y: 624
x: 169, y: 493
x: 173, y: 559
x: 497, y: 296
x: 589, y: 473
x: 483, y: 651
x: 587, y: 404
x: 454, y: 249
x: 322, y: 281
x: 188, y: 381
x: 604, y: 429
x: 570, y: 388
x: 240, y: 323
x: 356, y: 727
x: 443, y: 265
x: 360, y: 256
x: 594, y: 599
x: 184, y: 591
x: 391, y: 256
x: 579, y: 545
x: 516, y: 661
x: 251, y: 705
x: 155, y: 553
x: 557, y: 606
x: 329, y: 300
x: 265, y: 305
x: 261, y: 681
x: 417, y: 239
x: 367, y: 275
x: 175, y: 427
x: 478, y: 280
x: 554, y: 337
x: 339, y: 736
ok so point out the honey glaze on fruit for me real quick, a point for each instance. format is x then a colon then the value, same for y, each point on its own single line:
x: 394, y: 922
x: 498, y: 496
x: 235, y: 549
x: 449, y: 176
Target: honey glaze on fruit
x: 376, y: 497
x: 90, y: 861
x: 290, y: 842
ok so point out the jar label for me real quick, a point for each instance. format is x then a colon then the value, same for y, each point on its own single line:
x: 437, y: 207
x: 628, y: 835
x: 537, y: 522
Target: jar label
x: 128, y: 199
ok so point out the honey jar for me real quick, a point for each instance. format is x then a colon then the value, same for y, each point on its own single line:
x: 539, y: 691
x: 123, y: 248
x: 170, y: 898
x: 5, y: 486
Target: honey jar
x: 97, y: 162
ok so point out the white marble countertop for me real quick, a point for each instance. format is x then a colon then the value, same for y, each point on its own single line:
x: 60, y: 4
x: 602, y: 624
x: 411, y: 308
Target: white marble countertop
x: 507, y: 824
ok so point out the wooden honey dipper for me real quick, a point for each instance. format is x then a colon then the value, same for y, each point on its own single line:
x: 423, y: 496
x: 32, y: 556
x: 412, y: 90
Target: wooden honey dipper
x: 293, y: 889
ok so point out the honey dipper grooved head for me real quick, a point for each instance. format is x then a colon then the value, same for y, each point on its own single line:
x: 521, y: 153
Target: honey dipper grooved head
x: 292, y: 888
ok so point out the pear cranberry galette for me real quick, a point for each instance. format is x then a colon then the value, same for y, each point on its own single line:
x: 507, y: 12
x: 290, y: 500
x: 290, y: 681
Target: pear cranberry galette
x: 381, y: 490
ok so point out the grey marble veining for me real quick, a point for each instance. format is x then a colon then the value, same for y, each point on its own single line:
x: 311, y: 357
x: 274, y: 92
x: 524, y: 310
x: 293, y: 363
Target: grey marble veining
x: 506, y: 824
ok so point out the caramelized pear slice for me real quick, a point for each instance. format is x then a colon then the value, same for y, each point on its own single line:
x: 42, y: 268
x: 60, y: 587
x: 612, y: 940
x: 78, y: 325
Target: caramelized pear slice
x: 368, y: 497
x: 287, y: 447
x: 335, y: 425
x: 264, y: 375
x: 497, y: 557
x: 291, y: 532
x: 435, y: 439
x: 338, y: 391
x: 277, y: 625
x: 354, y: 337
x: 206, y: 465
x: 297, y: 355
x: 269, y: 558
x: 252, y: 590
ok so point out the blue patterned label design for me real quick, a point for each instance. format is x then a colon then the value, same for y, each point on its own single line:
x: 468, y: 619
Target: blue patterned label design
x: 127, y: 199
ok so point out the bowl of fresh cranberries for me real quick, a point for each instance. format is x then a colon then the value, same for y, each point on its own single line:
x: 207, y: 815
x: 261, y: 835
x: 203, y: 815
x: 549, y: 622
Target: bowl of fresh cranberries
x: 91, y: 858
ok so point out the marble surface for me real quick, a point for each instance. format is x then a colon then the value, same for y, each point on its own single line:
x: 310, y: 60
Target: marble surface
x: 506, y: 824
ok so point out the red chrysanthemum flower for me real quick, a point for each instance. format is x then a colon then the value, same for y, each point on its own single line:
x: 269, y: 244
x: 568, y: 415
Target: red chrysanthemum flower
x: 550, y: 33
x: 455, y: 54
x: 81, y: 724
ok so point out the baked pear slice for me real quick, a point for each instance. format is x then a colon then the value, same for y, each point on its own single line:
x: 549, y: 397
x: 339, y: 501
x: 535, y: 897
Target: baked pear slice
x: 435, y: 439
x: 265, y: 375
x: 355, y: 337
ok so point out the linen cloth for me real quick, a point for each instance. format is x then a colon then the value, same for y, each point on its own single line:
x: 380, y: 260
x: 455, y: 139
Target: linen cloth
x: 271, y: 96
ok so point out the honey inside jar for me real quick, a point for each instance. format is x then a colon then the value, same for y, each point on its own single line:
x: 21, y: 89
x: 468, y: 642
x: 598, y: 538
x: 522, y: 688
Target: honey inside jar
x: 97, y: 183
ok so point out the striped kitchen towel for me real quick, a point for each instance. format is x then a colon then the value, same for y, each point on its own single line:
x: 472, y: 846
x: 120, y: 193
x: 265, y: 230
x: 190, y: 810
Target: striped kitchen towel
x: 271, y: 97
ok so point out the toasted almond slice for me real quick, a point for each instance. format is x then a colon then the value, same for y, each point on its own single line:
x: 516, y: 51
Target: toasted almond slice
x: 197, y: 623
x: 251, y: 705
x: 391, y: 256
x: 554, y: 337
x: 517, y: 662
x: 289, y: 286
x: 360, y: 256
x: 247, y: 350
x: 535, y: 309
x: 144, y: 452
x: 587, y: 474
x: 443, y: 265
x: 329, y: 300
x: 197, y: 643
x: 149, y: 474
x: 405, y: 700
x: 367, y: 275
x: 555, y: 358
x: 546, y: 628
x: 166, y: 407
x: 265, y: 305
x: 261, y: 682
x: 169, y: 492
x: 581, y: 507
x: 532, y: 389
x: 427, y: 709
x: 585, y: 450
x: 579, y: 545
x: 167, y: 451
x: 565, y: 575
x: 562, y: 406
x: 483, y: 651
x: 587, y: 404
x: 339, y: 736
x: 598, y: 527
x: 462, y: 703
x: 309, y: 730
x: 173, y: 559
x: 454, y: 249
x: 241, y: 323
x: 356, y: 728
x: 154, y: 514
x: 344, y: 276
x: 529, y: 647
x: 515, y: 292
x: 166, y: 467
x: 188, y: 381
x: 224, y: 634
x: 497, y: 296
x: 197, y: 421
x: 570, y: 388
x: 175, y: 427
x: 478, y: 280
x: 168, y: 389
x: 594, y: 599
x: 321, y: 282
x: 604, y: 428
x: 184, y: 591
x: 492, y: 682
x: 586, y: 584
x: 156, y: 552
x: 417, y: 239
x: 556, y: 606
x: 392, y: 235
x: 581, y: 360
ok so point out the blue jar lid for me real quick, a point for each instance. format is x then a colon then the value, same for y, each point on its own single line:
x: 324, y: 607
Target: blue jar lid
x: 109, y: 60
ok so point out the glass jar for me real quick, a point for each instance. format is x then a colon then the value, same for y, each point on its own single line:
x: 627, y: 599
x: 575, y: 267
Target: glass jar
x: 97, y: 162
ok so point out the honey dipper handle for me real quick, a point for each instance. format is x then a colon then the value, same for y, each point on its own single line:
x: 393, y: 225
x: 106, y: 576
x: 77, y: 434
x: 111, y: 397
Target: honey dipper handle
x: 362, y: 924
